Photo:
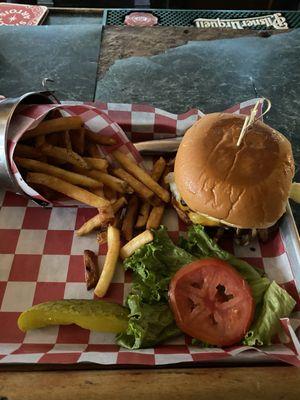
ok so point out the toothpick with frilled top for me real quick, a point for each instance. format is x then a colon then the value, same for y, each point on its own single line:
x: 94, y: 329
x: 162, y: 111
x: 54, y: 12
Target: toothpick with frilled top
x: 250, y: 119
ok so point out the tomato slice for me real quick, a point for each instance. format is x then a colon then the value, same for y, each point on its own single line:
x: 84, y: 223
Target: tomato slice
x: 211, y: 302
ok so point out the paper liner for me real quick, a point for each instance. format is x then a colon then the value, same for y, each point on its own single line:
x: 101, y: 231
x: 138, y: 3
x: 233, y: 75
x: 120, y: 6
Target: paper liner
x: 96, y: 121
x: 41, y: 260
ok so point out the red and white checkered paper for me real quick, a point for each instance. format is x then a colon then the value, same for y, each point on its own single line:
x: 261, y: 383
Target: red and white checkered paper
x: 41, y: 260
x: 95, y: 120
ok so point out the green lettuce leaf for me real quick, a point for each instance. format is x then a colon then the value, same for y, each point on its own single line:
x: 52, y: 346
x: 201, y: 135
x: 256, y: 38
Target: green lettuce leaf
x: 148, y: 324
x: 154, y: 265
x: 151, y: 320
x: 272, y: 302
x: 277, y: 303
x: 201, y: 245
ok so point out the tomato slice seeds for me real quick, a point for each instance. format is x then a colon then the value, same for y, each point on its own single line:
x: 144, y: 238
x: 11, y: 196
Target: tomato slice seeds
x: 211, y: 302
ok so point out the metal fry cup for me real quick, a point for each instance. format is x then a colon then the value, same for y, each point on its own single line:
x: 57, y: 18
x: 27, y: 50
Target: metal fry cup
x: 25, y: 113
x: 8, y: 106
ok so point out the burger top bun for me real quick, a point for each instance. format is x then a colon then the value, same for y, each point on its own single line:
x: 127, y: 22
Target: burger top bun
x: 246, y: 186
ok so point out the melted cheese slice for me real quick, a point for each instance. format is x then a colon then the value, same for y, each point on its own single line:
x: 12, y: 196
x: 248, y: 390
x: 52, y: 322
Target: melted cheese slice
x: 201, y: 219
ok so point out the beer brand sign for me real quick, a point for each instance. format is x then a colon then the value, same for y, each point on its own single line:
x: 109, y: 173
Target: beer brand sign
x: 273, y: 21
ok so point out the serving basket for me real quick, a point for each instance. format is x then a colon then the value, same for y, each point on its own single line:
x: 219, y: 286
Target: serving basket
x: 41, y: 258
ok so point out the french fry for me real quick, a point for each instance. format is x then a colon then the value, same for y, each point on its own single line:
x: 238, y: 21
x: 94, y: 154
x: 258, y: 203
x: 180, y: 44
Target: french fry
x: 157, y: 212
x: 118, y: 204
x: 116, y: 184
x: 157, y: 171
x: 98, y: 191
x: 130, y: 218
x: 67, y: 140
x: 99, y: 139
x: 52, y: 161
x: 110, y: 193
x: 141, y: 175
x: 136, y: 185
x: 168, y: 169
x: 155, y: 217
x: 22, y: 150
x: 111, y: 259
x: 143, y: 215
x: 68, y: 176
x: 39, y: 141
x: 93, y: 223
x: 54, y: 125
x: 78, y: 140
x: 135, y: 243
x: 91, y: 267
x: 102, y: 237
x: 171, y: 164
x: 64, y: 154
x: 75, y: 192
x: 96, y: 163
x: 100, y: 219
x: 118, y: 219
x: 54, y: 139
x: 92, y: 150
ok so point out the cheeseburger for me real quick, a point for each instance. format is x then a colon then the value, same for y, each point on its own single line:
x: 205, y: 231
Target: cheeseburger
x: 217, y: 183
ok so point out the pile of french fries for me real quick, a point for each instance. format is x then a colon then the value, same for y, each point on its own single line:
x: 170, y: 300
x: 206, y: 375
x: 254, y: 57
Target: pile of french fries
x: 61, y: 156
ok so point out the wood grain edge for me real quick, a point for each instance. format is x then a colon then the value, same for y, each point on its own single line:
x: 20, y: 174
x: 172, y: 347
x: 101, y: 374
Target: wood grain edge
x: 198, y: 383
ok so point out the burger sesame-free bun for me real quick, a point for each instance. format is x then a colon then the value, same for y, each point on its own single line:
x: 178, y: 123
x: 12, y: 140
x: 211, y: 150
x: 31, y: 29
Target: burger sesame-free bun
x: 246, y: 186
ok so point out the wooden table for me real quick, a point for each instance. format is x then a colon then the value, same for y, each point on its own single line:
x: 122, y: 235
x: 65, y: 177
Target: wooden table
x: 267, y: 383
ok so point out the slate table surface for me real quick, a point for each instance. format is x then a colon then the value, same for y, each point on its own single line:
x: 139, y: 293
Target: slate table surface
x: 68, y: 54
x: 181, y: 68
x: 175, y: 68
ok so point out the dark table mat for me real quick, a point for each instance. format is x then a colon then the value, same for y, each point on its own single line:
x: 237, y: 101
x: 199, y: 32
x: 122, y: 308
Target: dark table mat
x: 67, y: 54
x: 77, y: 17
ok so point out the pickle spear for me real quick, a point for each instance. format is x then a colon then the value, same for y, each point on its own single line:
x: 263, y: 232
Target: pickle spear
x: 95, y: 315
